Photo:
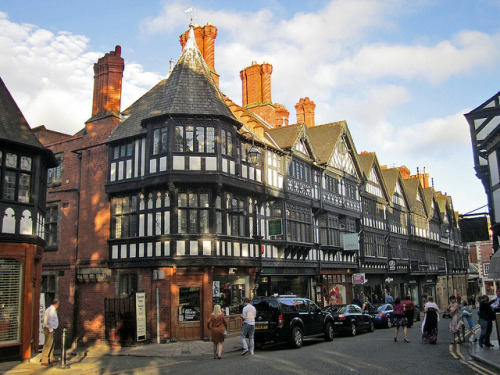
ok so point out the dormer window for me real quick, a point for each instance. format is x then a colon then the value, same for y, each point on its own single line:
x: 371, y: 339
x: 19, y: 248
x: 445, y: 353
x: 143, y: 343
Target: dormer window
x: 15, y: 171
x: 193, y: 139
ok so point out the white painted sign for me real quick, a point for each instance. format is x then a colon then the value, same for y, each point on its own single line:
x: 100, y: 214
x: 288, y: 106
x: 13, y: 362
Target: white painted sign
x: 351, y: 241
x: 41, y: 336
x: 140, y: 314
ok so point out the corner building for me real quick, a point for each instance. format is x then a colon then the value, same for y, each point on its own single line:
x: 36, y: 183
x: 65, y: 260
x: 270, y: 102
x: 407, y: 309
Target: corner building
x: 195, y: 201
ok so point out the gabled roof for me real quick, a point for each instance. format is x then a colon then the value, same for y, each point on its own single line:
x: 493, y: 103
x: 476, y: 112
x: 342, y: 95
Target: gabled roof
x: 391, y: 178
x: 492, y: 104
x: 413, y: 188
x: 188, y: 91
x: 429, y: 198
x: 287, y: 137
x: 368, y: 161
x: 324, y: 139
x: 15, y: 129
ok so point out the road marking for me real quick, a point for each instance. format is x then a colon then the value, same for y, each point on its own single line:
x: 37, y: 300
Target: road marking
x: 478, y: 368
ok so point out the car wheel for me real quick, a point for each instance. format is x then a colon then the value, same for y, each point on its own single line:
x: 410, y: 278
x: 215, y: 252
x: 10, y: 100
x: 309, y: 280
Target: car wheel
x: 297, y: 337
x: 329, y: 333
x: 372, y: 327
x: 353, y: 329
x: 389, y: 323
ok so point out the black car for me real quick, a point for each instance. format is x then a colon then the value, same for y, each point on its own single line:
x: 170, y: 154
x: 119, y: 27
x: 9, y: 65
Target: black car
x: 290, y: 318
x: 350, y: 319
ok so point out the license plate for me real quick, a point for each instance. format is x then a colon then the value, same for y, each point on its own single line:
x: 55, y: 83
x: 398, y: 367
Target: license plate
x: 262, y: 326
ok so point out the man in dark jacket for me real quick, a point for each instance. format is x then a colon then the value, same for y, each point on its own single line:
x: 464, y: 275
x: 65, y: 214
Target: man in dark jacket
x: 486, y: 317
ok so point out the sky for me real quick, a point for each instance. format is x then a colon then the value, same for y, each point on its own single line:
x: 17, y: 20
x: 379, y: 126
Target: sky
x: 401, y: 73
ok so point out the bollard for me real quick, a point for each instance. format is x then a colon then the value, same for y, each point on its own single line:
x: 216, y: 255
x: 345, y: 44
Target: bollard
x: 63, y: 354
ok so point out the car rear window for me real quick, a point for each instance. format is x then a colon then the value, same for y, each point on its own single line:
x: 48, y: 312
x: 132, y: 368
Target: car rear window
x: 265, y: 305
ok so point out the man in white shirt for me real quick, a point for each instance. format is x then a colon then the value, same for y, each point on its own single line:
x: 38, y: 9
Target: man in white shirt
x: 496, y: 304
x: 248, y: 327
x: 50, y: 323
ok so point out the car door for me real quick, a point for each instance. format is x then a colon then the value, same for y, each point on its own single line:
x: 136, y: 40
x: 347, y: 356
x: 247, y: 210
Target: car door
x: 356, y: 315
x: 303, y: 314
x: 316, y: 318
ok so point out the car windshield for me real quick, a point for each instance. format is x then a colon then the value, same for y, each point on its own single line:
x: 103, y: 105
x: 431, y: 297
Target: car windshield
x: 381, y: 308
x: 343, y: 310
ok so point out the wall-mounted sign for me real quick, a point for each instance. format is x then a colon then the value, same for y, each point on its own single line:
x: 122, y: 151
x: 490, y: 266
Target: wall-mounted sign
x: 392, y: 265
x: 351, y: 241
x: 274, y: 227
x: 359, y: 278
x: 140, y: 315
x: 215, y: 288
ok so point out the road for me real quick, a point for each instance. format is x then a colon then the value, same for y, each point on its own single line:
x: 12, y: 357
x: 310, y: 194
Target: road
x: 366, y: 354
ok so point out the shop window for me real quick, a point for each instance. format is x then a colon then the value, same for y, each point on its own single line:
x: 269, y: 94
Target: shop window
x: 11, y: 272
x: 189, y: 304
x: 128, y: 284
x: 229, y: 291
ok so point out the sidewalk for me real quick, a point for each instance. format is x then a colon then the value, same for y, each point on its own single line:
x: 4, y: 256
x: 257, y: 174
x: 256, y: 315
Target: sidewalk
x: 85, y: 360
x: 490, y: 356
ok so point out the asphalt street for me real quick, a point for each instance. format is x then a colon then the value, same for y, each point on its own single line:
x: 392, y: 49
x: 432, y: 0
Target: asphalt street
x: 367, y: 353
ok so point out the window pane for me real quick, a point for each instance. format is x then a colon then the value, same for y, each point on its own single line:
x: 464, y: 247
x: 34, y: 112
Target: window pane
x: 200, y: 139
x: 11, y: 160
x: 203, y: 200
x: 164, y: 140
x: 24, y: 187
x: 116, y: 153
x: 182, y: 200
x: 210, y: 140
x: 193, y: 200
x: 129, y: 149
x: 204, y: 221
x: 189, y: 139
x: 179, y: 139
x: 193, y: 221
x: 223, y: 142
x: 25, y: 163
x: 189, y: 304
x: 182, y: 226
x: 9, y: 186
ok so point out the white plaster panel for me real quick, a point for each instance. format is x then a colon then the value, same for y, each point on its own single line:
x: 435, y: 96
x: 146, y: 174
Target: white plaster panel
x: 178, y: 163
x: 193, y: 247
x: 195, y: 163
x: 120, y: 170
x: 123, y: 251
x: 207, y: 248
x: 181, y: 248
x: 163, y: 163
x: 133, y: 250
x: 112, y: 172
x: 128, y: 173
x: 150, y: 249
x: 152, y: 165
x: 211, y: 163
x: 141, y: 250
x: 114, y: 252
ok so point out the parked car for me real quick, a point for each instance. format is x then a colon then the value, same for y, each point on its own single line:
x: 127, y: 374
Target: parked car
x: 350, y: 319
x: 382, y: 315
x: 290, y: 318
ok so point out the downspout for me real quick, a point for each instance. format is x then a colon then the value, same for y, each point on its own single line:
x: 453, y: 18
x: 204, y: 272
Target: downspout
x: 75, y: 298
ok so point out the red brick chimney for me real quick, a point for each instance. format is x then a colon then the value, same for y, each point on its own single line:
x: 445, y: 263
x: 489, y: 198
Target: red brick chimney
x: 282, y: 115
x: 305, y: 112
x: 256, y: 91
x: 405, y: 172
x: 205, y: 40
x: 422, y: 177
x: 108, y: 74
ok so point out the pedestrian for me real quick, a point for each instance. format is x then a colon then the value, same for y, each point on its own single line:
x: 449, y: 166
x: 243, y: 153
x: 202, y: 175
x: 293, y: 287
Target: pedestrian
x: 456, y: 320
x: 248, y: 327
x: 409, y: 310
x: 388, y: 298
x: 473, y: 301
x: 467, y: 317
x: 400, y: 319
x: 496, y: 305
x: 357, y: 301
x: 50, y: 324
x: 217, y: 325
x: 486, y: 317
x: 430, y: 321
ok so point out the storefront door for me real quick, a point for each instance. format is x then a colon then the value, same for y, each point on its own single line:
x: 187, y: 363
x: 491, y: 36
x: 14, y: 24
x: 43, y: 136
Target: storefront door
x: 189, y: 325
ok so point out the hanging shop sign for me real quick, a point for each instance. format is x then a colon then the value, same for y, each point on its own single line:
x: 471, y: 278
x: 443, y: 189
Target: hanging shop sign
x: 351, y: 241
x: 275, y: 227
x: 392, y: 265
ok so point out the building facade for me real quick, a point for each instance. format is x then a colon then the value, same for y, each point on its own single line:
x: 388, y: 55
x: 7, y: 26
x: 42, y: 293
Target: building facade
x: 23, y: 170
x: 194, y: 200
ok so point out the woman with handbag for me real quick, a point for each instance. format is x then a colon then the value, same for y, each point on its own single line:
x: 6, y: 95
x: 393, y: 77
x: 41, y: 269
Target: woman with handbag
x: 400, y: 319
x: 218, y: 326
x: 430, y: 321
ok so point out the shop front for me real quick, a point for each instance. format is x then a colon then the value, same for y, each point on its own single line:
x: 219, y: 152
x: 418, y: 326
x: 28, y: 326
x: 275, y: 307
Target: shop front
x: 429, y: 286
x: 287, y: 281
x: 333, y: 288
x: 370, y: 286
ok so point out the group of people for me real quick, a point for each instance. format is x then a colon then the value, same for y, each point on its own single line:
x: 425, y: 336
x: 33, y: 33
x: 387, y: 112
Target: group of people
x: 217, y: 324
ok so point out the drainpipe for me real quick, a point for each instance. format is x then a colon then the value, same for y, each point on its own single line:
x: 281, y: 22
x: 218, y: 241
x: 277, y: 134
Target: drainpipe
x: 75, y: 298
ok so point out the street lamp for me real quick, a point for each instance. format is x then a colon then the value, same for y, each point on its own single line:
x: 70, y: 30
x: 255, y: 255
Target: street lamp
x: 254, y: 154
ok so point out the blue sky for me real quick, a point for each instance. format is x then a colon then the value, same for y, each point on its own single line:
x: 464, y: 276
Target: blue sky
x: 401, y: 73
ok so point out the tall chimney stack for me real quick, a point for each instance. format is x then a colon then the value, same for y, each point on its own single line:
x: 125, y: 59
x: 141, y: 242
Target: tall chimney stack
x: 256, y: 91
x: 108, y: 74
x: 305, y: 112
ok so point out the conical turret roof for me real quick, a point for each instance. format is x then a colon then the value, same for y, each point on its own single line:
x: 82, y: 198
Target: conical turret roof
x: 189, y: 91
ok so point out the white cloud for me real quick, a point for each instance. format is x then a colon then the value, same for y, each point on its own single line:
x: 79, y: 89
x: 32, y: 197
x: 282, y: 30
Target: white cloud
x: 50, y: 75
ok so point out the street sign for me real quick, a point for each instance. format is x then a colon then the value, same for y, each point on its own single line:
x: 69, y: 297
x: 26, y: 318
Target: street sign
x: 351, y: 241
x: 392, y: 265
x: 140, y: 311
x: 359, y: 278
x: 274, y: 227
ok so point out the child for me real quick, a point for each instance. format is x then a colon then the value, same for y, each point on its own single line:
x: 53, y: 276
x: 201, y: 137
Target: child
x: 467, y: 317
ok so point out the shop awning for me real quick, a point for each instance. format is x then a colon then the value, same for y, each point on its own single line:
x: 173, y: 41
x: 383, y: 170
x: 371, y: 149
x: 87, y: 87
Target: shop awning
x: 494, y: 271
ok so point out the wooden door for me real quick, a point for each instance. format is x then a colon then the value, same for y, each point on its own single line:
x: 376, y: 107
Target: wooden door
x: 190, y: 317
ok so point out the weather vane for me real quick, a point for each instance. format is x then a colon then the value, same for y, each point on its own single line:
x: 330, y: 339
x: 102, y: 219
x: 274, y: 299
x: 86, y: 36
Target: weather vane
x: 190, y: 10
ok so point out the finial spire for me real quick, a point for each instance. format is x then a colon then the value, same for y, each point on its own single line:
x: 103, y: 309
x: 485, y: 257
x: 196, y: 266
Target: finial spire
x: 191, y: 19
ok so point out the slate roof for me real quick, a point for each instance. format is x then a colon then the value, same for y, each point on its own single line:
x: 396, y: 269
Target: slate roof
x: 188, y: 91
x: 366, y: 161
x: 411, y: 187
x: 13, y: 126
x: 285, y: 136
x: 391, y: 179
